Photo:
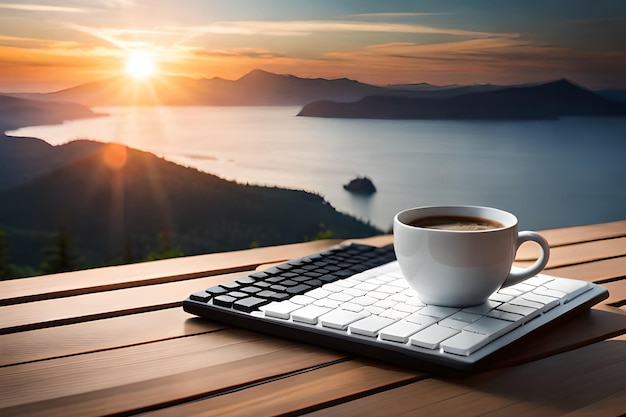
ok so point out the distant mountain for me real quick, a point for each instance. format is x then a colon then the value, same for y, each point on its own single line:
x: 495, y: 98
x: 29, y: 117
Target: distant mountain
x: 546, y: 101
x: 257, y: 88
x: 615, y: 95
x: 18, y: 112
x: 23, y: 160
x: 108, y: 210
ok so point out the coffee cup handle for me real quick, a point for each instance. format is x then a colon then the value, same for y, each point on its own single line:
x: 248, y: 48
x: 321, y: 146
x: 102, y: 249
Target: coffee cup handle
x: 519, y: 274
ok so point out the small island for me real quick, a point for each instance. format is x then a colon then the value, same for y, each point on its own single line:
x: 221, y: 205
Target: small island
x: 360, y: 185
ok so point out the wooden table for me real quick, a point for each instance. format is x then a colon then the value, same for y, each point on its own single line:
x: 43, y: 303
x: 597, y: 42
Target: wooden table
x: 116, y: 341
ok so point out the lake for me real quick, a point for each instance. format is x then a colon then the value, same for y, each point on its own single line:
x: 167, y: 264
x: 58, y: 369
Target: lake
x: 549, y: 173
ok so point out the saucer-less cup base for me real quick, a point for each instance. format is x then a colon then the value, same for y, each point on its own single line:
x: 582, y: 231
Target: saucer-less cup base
x: 461, y: 268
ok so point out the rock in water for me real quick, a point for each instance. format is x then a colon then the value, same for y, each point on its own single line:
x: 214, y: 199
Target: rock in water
x: 360, y: 185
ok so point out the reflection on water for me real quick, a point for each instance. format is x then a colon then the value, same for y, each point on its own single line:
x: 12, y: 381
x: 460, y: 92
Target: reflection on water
x: 549, y: 173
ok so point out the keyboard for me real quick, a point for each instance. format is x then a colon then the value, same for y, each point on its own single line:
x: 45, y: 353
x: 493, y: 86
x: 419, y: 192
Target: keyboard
x: 354, y: 298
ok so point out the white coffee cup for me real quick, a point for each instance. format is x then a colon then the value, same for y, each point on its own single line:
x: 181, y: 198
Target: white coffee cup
x: 460, y: 268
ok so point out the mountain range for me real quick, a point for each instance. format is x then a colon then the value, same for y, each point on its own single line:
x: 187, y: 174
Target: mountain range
x: 545, y: 101
x: 257, y: 88
x: 324, y: 98
x: 16, y: 112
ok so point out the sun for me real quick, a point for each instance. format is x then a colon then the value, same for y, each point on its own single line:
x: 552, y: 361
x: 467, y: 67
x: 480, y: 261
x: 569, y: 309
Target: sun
x: 140, y: 65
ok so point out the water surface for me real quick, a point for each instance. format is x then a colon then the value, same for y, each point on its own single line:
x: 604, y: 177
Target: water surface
x: 549, y: 173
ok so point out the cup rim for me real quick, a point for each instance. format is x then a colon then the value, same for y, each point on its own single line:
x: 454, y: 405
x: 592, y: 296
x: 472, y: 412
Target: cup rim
x: 509, y: 220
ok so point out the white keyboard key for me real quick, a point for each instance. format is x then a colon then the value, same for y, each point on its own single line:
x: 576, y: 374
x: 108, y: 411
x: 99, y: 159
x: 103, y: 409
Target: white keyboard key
x: 303, y: 300
x: 503, y: 298
x: 549, y: 293
x: 399, y: 297
x: 483, y: 308
x: 325, y: 302
x: 540, y: 298
x: 524, y: 287
x: 400, y: 282
x: 377, y: 295
x: 510, y: 291
x: 415, y: 301
x: 386, y: 278
x: 388, y: 289
x: 374, y: 309
x: 521, y: 301
x: 340, y: 296
x: 309, y: 314
x: 363, y: 276
x: 571, y: 287
x: 353, y: 292
x: 438, y: 311
x: 364, y: 301
x: 537, y: 280
x: 504, y: 315
x: 421, y: 319
x: 385, y: 303
x: 400, y: 331
x: 346, y: 283
x: 432, y: 336
x: 370, y: 326
x: 548, y: 302
x: 351, y: 307
x: 317, y: 293
x: 491, y: 327
x: 394, y: 314
x: 459, y: 320
x: 280, y: 309
x: 464, y: 343
x: 340, y: 319
x: 407, y: 308
x: 332, y: 288
x: 527, y: 312
x: 366, y: 286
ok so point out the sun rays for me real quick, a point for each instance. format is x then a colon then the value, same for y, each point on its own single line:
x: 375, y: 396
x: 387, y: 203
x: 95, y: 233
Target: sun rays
x: 140, y: 65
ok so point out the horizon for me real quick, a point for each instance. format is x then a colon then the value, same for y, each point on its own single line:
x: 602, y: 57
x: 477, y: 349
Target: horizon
x: 48, y: 46
x: 161, y: 79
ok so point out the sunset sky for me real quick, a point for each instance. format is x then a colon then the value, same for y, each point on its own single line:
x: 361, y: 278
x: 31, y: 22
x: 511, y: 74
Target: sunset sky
x: 47, y: 45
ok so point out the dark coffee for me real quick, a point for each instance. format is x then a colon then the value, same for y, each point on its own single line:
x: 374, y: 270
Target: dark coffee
x: 462, y: 223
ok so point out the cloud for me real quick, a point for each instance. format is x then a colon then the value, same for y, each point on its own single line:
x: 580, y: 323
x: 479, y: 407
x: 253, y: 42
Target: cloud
x: 397, y: 14
x: 42, y: 8
x: 303, y: 27
x: 239, y: 52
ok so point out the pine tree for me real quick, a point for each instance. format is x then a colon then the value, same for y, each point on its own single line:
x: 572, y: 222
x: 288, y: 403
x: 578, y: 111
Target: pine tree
x: 5, y: 265
x: 60, y: 256
x: 166, y: 250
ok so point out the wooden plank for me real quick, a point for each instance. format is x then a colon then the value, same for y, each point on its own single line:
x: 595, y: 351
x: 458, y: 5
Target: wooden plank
x: 573, y: 235
x: 610, y: 406
x: 583, y: 252
x: 298, y: 393
x: 393, y: 402
x: 124, y: 276
x: 550, y: 387
x: 584, y: 233
x: 81, y: 374
x: 597, y: 271
x: 174, y: 388
x: 100, y: 335
x: 205, y: 379
x: 617, y: 293
x: 86, y: 307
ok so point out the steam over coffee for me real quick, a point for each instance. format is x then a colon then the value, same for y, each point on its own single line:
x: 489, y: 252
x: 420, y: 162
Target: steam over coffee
x: 456, y: 223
